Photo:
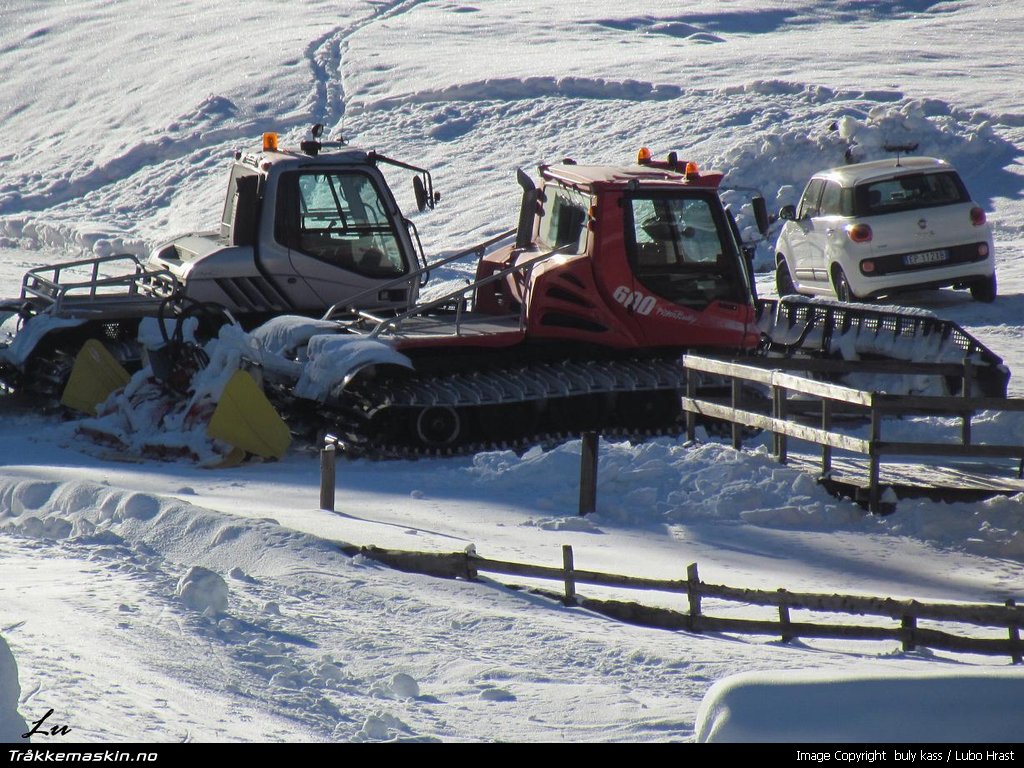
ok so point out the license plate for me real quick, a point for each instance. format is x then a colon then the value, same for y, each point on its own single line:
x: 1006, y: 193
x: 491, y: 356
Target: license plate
x: 926, y: 257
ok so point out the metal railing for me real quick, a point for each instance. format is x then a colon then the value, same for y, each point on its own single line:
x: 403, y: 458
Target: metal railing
x: 58, y: 286
x: 394, y: 323
x: 350, y: 305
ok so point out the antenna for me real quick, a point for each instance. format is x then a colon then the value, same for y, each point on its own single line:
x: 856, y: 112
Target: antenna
x: 898, y: 148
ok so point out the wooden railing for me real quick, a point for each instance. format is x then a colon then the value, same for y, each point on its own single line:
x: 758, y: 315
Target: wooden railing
x: 908, y: 614
x: 829, y: 398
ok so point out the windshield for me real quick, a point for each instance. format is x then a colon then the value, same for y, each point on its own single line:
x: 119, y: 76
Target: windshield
x: 682, y: 249
x: 341, y: 218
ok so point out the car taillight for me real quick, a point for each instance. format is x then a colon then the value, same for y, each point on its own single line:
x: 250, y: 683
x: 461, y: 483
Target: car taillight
x: 859, y: 233
x: 867, y: 267
x: 977, y: 216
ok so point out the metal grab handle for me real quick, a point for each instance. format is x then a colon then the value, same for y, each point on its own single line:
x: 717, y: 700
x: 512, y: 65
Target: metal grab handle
x: 397, y: 320
x: 477, y: 250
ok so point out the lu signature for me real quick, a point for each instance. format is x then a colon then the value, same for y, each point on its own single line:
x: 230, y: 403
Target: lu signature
x: 53, y: 730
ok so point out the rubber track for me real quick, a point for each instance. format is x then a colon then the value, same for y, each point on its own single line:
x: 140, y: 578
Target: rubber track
x: 548, y: 382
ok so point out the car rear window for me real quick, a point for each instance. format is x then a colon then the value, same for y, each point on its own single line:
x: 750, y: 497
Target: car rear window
x: 905, y: 193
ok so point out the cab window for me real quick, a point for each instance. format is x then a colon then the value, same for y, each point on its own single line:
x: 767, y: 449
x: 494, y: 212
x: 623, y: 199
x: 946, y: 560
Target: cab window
x: 563, y: 219
x: 340, y: 218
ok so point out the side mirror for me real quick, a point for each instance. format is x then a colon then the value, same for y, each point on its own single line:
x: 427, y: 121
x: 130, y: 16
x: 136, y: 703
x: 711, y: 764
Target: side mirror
x: 760, y: 214
x: 788, y: 213
x: 420, y: 191
x: 527, y: 210
x: 424, y: 199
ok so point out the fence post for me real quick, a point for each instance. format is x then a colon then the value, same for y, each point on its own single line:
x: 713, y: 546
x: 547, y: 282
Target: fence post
x: 779, y: 441
x: 570, y: 582
x: 691, y: 417
x: 826, y: 425
x: 693, y: 594
x: 965, y: 426
x: 874, y: 492
x: 588, y: 473
x: 909, y: 627
x: 328, y: 456
x: 1015, y: 650
x: 786, y: 630
x: 737, y: 401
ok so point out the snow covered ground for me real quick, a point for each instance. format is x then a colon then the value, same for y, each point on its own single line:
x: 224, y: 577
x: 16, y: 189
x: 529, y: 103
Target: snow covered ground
x: 126, y: 141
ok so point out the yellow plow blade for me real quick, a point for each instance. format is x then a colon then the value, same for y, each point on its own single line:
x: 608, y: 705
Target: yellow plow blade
x: 245, y: 419
x: 94, y: 376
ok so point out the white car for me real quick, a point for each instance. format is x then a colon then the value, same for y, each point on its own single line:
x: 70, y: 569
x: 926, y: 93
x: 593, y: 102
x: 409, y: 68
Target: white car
x: 877, y: 228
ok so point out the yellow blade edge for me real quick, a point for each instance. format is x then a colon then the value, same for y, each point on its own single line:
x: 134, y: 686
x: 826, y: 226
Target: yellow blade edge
x: 245, y: 419
x: 94, y: 376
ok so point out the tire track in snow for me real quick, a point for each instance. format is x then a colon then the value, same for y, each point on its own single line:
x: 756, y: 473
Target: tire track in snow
x: 326, y: 54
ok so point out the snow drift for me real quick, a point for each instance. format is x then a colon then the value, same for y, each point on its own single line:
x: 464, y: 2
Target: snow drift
x: 808, y: 707
x: 12, y: 724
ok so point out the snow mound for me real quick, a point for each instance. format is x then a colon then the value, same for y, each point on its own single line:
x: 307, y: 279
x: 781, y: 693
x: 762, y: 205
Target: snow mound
x: 382, y: 726
x: 667, y: 482
x: 203, y: 590
x: 404, y: 686
x: 664, y: 481
x: 496, y: 694
x: 12, y: 724
x: 814, y: 707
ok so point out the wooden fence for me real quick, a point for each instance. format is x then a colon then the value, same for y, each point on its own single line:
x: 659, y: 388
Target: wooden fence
x: 906, y: 614
x: 826, y: 398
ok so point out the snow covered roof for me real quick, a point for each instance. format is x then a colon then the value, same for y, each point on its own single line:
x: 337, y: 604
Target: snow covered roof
x: 850, y: 175
x: 347, y: 155
x: 620, y: 175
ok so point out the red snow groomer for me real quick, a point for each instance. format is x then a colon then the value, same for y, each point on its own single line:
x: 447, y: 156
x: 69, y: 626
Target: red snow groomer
x: 579, y: 324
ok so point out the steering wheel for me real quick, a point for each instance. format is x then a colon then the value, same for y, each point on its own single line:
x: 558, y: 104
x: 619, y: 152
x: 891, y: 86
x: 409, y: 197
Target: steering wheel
x: 372, y: 258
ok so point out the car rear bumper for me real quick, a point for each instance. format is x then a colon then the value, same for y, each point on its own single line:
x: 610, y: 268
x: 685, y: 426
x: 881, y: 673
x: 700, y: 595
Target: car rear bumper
x: 938, y: 276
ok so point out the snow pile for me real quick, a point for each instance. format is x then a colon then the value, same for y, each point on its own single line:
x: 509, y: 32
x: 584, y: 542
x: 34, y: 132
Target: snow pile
x: 404, y: 686
x: 314, y: 355
x: 666, y: 482
x: 810, y: 707
x: 12, y: 724
x: 148, y: 418
x: 202, y: 590
x: 286, y: 336
x: 332, y: 359
x: 383, y: 726
x: 994, y: 527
